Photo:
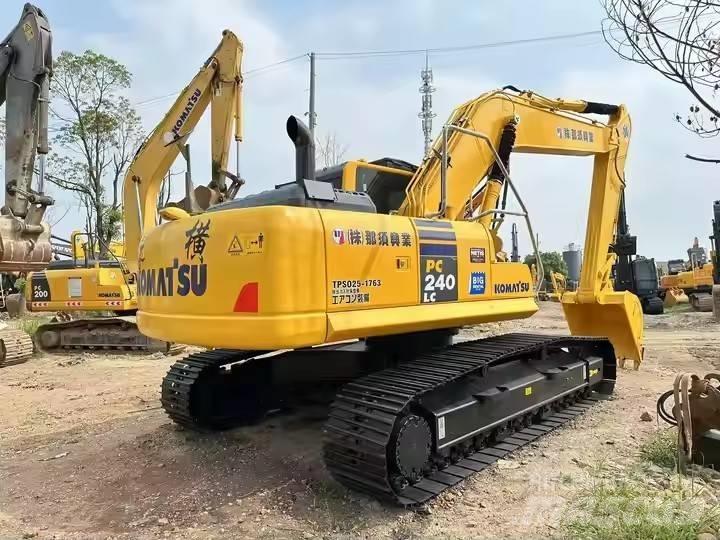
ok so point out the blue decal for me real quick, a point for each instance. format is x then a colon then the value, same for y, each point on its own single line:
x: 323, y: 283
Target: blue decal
x: 477, y: 283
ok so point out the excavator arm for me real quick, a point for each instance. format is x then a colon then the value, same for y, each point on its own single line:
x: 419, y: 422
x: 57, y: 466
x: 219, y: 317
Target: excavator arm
x: 25, y: 69
x: 465, y: 175
x: 218, y: 84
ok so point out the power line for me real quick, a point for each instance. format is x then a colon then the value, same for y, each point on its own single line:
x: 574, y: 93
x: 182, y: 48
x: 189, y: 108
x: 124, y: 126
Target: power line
x: 255, y: 71
x: 278, y: 63
x: 354, y: 55
x: 458, y: 48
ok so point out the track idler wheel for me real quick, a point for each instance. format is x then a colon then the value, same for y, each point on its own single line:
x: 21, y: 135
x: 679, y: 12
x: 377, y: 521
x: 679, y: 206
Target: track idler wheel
x: 48, y: 339
x: 413, y: 447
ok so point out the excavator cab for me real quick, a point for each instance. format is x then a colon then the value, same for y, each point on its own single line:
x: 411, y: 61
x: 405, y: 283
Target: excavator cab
x: 384, y: 180
x: 675, y: 266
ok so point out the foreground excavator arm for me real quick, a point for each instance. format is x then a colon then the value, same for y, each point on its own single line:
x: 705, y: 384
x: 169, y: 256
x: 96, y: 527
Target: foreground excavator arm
x: 219, y: 84
x: 511, y: 121
x: 25, y: 69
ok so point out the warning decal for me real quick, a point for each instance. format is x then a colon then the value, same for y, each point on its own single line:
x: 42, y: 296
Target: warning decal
x: 235, y: 245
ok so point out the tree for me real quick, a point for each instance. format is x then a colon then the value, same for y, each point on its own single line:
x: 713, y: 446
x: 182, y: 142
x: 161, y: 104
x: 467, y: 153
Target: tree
x: 552, y: 261
x: 330, y: 150
x: 97, y: 135
x: 679, y: 39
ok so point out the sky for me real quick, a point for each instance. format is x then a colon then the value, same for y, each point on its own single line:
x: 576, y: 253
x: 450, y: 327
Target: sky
x: 372, y: 104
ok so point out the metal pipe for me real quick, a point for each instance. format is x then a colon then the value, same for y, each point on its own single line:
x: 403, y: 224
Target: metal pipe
x: 136, y: 180
x: 311, y: 105
x: 43, y: 108
x: 443, y: 176
x: 41, y: 173
x: 237, y: 158
x: 193, y: 206
x: 506, y: 174
x: 304, y: 143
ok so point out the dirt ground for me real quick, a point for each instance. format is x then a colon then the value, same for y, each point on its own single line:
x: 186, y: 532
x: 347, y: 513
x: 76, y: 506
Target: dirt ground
x: 86, y: 452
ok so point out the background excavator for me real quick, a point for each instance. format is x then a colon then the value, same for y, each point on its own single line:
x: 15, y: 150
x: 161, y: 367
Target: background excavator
x: 85, y: 284
x: 373, y: 298
x: 695, y: 280
x: 559, y: 283
x: 632, y: 273
x: 715, y: 258
x: 25, y: 70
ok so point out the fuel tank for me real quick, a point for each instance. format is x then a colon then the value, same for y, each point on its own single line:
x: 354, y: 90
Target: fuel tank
x: 276, y: 277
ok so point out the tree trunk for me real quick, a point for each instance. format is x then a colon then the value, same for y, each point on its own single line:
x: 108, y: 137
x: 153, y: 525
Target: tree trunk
x: 99, y: 233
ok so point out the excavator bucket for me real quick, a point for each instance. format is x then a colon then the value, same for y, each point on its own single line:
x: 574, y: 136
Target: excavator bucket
x: 22, y: 251
x: 615, y: 315
x: 675, y: 296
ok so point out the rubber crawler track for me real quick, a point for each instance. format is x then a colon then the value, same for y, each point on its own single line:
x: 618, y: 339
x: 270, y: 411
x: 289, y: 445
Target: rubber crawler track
x: 16, y: 347
x: 101, y: 334
x: 183, y: 381
x: 364, y: 415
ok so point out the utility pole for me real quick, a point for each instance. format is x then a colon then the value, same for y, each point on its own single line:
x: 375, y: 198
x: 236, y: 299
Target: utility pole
x: 426, y: 114
x: 311, y: 108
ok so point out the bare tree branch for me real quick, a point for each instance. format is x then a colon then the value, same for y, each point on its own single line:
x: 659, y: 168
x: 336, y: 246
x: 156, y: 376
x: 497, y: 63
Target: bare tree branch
x: 704, y: 160
x: 680, y: 39
x: 330, y: 150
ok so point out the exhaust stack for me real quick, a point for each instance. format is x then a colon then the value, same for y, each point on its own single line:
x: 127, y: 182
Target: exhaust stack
x: 304, y: 149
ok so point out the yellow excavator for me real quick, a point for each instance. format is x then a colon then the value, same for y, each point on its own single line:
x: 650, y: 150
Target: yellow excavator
x: 372, y: 299
x: 559, y: 284
x: 692, y: 280
x: 85, y: 284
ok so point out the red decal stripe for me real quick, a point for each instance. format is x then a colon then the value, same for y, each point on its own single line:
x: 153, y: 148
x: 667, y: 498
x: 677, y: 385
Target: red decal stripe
x: 247, y: 299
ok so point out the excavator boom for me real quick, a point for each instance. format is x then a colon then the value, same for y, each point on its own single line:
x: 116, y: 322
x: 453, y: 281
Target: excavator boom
x: 539, y: 126
x: 218, y: 84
